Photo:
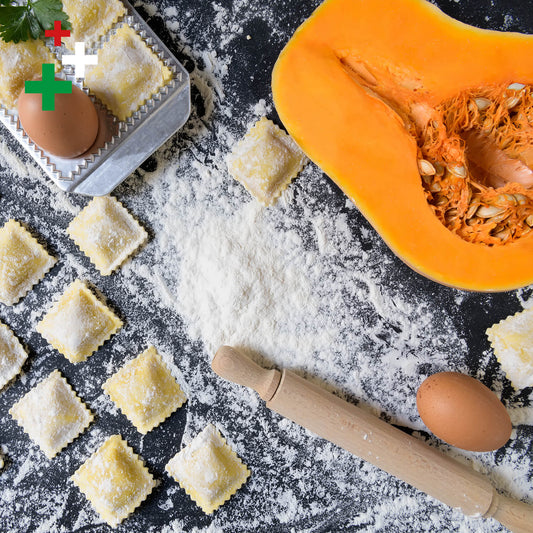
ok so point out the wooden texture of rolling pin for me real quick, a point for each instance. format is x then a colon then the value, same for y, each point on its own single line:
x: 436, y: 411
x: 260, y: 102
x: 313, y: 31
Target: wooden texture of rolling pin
x: 375, y: 441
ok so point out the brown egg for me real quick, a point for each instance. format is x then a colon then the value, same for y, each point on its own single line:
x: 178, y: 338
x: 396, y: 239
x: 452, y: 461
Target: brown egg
x: 463, y: 412
x: 68, y: 131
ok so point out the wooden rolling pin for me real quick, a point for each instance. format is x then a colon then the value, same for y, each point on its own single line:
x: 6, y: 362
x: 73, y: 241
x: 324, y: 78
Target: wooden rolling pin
x: 375, y: 441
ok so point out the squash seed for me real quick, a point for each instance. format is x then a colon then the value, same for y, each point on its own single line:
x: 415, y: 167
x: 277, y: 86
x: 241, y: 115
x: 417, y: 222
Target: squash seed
x: 458, y: 170
x: 520, y: 198
x: 487, y: 125
x: 435, y: 187
x: 503, y: 235
x: 529, y: 221
x: 439, y: 168
x: 499, y: 218
x: 482, y: 103
x: 489, y: 212
x: 516, y: 87
x: 505, y: 200
x: 440, y: 199
x: 451, y: 215
x: 512, y: 102
x: 426, y: 168
x: 472, y: 210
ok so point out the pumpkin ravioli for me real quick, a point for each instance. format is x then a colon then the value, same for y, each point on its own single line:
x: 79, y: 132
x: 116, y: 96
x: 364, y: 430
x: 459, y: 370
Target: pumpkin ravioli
x: 12, y: 355
x: 265, y: 161
x: 208, y: 470
x: 91, y: 19
x: 127, y: 75
x: 512, y: 341
x: 145, y: 391
x: 78, y: 323
x: 23, y: 262
x: 115, y: 480
x: 52, y: 414
x: 106, y: 232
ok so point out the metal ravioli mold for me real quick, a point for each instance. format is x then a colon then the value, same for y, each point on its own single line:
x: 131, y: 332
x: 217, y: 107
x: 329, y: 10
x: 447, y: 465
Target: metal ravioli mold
x: 121, y: 146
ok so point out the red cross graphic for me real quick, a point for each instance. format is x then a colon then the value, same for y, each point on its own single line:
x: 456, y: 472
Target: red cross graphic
x: 57, y: 33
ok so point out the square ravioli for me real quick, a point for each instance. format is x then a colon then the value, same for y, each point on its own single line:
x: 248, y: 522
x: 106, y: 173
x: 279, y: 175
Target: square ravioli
x: 12, y: 355
x: 127, y: 75
x: 145, y: 391
x: 91, y: 19
x: 265, y: 161
x: 20, y: 62
x: 23, y: 262
x: 106, y: 232
x: 512, y: 341
x: 51, y: 414
x: 115, y: 480
x: 208, y: 470
x: 78, y: 323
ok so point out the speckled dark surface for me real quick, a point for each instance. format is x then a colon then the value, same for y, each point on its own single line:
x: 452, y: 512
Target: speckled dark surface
x: 249, y: 80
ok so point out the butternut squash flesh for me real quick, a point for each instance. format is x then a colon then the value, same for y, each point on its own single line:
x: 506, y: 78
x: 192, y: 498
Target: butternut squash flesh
x: 394, y: 100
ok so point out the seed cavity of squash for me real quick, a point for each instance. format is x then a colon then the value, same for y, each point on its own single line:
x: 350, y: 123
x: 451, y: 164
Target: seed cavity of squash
x: 486, y: 145
x: 475, y: 150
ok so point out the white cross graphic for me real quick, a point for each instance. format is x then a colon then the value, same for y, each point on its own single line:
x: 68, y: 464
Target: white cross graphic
x: 80, y: 60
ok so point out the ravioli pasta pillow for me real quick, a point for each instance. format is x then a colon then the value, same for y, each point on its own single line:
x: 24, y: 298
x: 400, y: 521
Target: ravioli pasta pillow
x: 52, y: 414
x: 23, y: 262
x: 12, y: 355
x: 208, y: 470
x: 91, y: 19
x: 78, y: 323
x: 145, y: 391
x: 127, y: 75
x: 115, y: 480
x: 107, y: 233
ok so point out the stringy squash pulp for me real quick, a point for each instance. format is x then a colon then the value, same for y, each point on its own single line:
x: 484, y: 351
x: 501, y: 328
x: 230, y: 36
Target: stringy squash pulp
x: 427, y: 125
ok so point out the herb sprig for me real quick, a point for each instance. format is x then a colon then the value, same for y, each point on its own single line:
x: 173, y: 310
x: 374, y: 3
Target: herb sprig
x: 29, y: 21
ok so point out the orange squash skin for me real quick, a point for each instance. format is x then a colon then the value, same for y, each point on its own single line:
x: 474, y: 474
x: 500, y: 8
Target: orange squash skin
x: 362, y: 145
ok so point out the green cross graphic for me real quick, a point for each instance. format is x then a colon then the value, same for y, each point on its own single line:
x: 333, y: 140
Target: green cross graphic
x: 48, y: 87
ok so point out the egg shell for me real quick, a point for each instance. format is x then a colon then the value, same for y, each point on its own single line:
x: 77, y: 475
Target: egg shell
x: 68, y: 131
x: 463, y: 412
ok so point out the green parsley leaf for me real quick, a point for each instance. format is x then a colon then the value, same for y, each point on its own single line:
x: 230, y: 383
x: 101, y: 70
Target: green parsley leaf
x: 48, y: 11
x: 14, y: 23
x: 20, y: 23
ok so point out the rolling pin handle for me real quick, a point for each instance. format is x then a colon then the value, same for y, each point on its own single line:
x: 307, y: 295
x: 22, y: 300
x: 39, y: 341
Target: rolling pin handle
x: 232, y: 365
x: 515, y: 515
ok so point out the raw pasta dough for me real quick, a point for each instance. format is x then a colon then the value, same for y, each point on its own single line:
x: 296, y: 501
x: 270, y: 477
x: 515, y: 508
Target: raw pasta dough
x: 145, y: 391
x: 18, y: 63
x: 78, y: 323
x: 23, y: 262
x: 512, y: 341
x: 91, y: 19
x: 115, y: 480
x: 12, y: 355
x: 265, y: 161
x: 127, y: 75
x: 51, y: 414
x: 208, y: 470
x: 107, y: 233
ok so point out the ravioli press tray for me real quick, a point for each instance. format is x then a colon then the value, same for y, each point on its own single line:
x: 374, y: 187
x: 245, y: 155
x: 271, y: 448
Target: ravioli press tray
x: 121, y: 146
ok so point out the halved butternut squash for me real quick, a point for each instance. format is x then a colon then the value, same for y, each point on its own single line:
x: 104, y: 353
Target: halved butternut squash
x: 426, y: 124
